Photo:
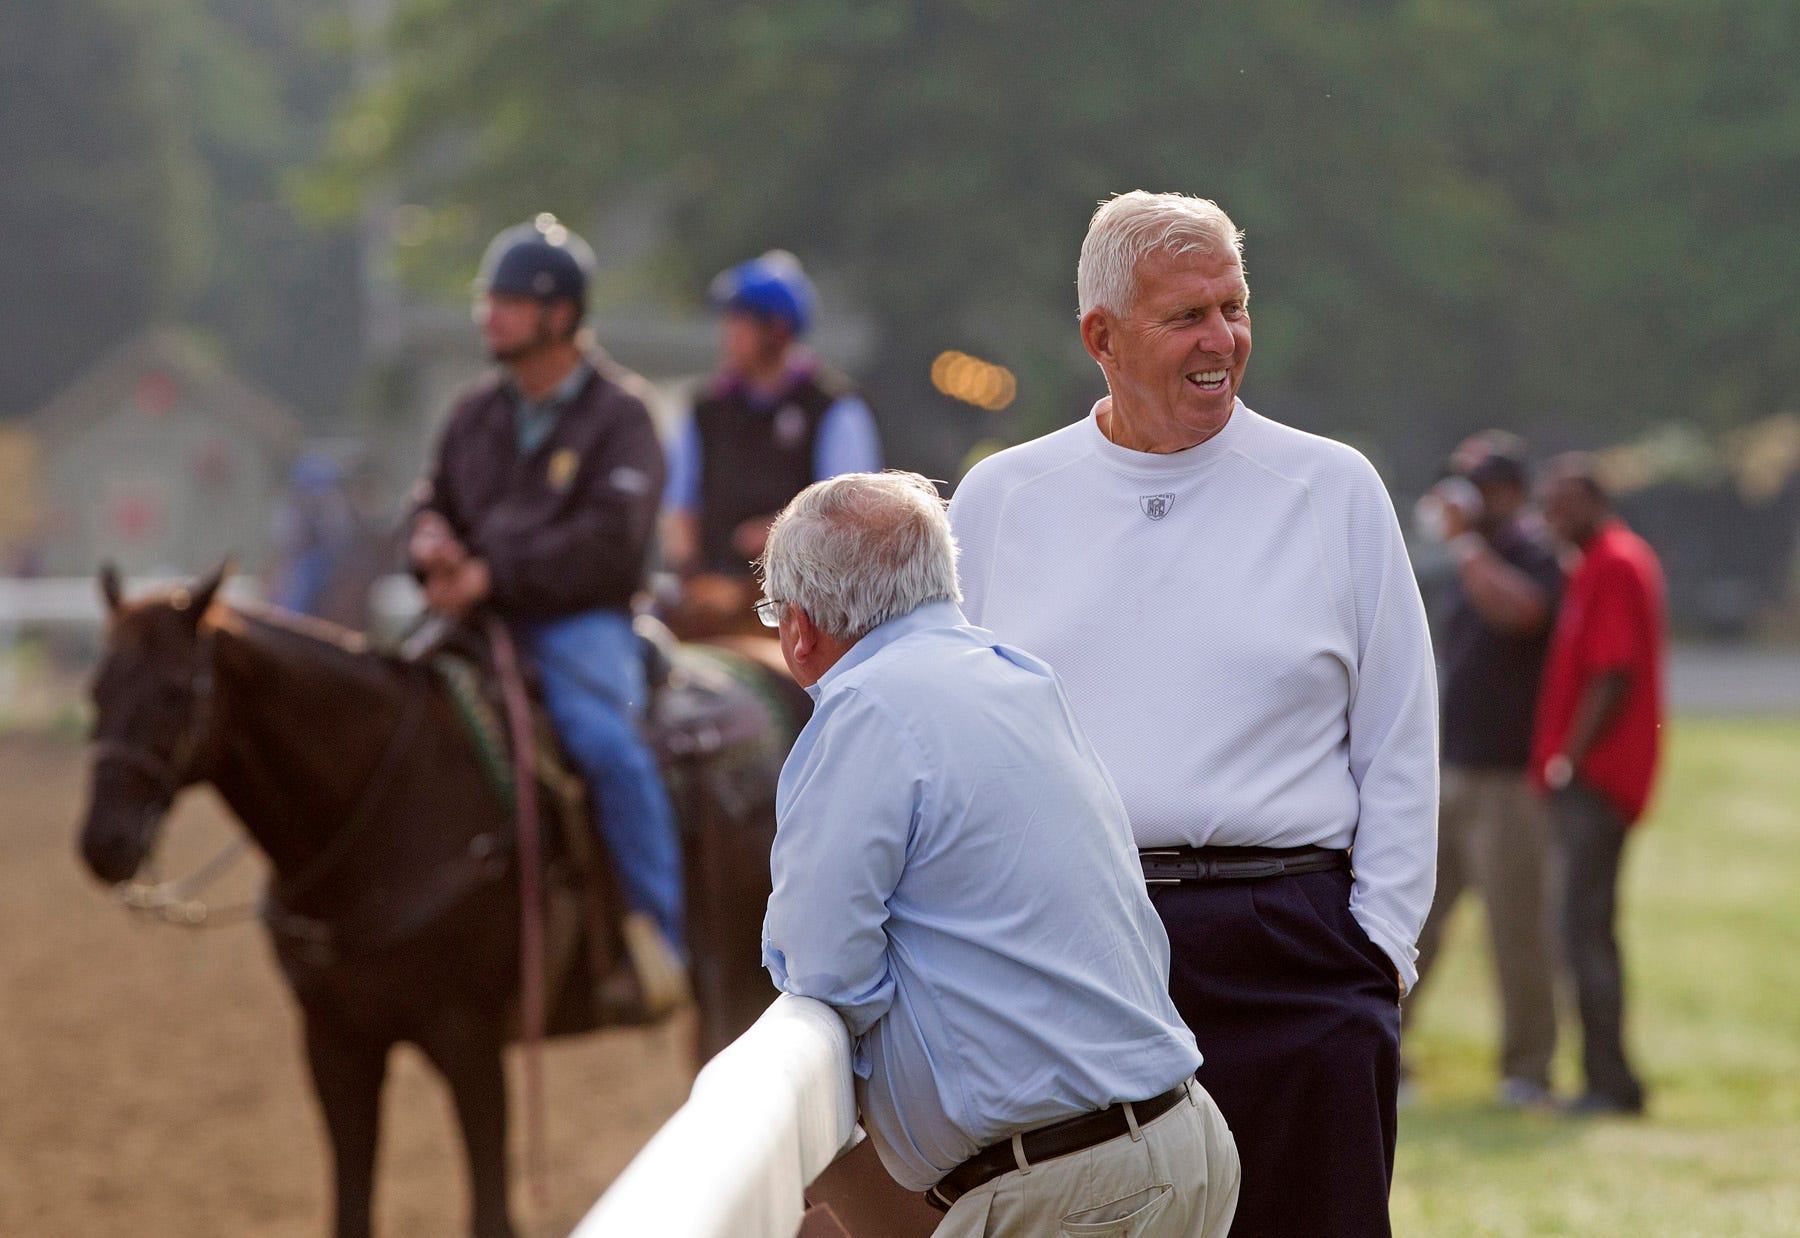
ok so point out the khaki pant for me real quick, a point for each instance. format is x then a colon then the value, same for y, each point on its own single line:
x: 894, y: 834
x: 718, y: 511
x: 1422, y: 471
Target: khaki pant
x: 1177, y: 1179
x: 1493, y: 836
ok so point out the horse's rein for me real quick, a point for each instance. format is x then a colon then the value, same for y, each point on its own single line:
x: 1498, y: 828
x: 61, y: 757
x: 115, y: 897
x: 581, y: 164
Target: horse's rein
x: 174, y: 901
x: 531, y: 908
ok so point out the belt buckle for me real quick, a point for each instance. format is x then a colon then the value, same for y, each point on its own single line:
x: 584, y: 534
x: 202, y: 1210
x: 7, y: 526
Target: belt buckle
x: 1150, y: 860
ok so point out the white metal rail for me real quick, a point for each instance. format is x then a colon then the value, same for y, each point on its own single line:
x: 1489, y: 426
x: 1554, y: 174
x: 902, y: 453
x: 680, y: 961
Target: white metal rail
x: 765, y: 1117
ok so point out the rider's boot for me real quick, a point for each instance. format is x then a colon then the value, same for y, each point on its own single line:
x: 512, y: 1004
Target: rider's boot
x: 651, y: 981
x: 660, y: 971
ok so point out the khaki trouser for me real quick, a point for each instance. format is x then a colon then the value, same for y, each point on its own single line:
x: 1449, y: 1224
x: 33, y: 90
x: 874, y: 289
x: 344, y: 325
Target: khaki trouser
x: 1177, y: 1179
x: 1493, y: 836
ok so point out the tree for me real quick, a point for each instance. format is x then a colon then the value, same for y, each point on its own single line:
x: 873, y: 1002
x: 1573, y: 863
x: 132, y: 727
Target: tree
x: 1457, y: 215
x: 99, y: 197
x: 146, y: 144
x: 281, y: 289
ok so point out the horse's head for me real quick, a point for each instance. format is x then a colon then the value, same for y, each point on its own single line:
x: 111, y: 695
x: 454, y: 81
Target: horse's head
x: 151, y: 697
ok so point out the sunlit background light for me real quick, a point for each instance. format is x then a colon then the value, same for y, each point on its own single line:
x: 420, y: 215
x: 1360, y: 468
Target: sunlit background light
x: 974, y: 381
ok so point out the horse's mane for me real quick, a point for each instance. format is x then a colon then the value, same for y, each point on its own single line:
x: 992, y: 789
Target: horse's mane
x: 285, y: 633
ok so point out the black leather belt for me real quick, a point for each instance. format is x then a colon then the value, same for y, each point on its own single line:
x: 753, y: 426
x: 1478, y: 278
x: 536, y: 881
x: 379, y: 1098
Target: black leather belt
x: 1046, y: 1143
x: 1174, y: 865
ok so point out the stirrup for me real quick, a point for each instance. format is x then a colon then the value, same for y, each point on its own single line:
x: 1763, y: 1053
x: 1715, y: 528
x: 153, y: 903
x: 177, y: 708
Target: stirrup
x: 661, y: 974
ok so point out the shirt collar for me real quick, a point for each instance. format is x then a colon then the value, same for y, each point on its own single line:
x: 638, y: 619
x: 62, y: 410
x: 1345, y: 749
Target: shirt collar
x: 921, y: 618
x: 1607, y: 534
x: 560, y: 395
x: 1165, y: 463
x: 801, y: 365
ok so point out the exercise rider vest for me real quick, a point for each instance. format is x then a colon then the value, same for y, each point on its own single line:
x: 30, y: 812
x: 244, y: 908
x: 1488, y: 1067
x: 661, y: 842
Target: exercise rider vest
x: 754, y: 460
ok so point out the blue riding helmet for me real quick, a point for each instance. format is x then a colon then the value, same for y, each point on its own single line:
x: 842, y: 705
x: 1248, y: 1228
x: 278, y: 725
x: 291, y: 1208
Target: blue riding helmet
x: 770, y: 287
x: 541, y: 259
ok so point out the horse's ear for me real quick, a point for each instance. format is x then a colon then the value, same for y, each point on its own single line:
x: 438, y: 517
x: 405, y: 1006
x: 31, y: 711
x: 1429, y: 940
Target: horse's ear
x: 204, y: 592
x: 112, y: 592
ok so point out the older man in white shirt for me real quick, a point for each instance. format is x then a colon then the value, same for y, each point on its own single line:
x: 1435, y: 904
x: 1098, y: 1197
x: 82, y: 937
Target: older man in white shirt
x: 1230, y: 604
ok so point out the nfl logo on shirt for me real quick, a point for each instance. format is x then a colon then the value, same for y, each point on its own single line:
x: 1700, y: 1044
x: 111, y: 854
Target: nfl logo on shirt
x: 1156, y: 506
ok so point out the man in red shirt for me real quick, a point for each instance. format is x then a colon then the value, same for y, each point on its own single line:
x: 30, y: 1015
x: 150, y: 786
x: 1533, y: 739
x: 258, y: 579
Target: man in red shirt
x: 1595, y: 751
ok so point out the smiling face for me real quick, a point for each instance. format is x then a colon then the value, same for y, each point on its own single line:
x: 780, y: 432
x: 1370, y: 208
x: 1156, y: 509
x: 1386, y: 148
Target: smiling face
x: 1175, y: 361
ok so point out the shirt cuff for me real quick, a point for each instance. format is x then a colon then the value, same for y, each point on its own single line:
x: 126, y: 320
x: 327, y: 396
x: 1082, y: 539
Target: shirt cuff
x: 1400, y: 951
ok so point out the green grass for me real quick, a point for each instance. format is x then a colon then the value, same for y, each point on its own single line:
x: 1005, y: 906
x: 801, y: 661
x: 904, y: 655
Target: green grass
x: 1711, y: 935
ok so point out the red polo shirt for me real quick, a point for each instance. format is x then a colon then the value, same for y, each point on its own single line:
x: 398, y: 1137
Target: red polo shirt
x: 1612, y: 618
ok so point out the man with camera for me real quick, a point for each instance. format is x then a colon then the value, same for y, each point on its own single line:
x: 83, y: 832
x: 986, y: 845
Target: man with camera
x: 1492, y: 836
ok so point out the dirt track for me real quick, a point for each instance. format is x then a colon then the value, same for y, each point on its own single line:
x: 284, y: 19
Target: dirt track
x: 151, y: 1080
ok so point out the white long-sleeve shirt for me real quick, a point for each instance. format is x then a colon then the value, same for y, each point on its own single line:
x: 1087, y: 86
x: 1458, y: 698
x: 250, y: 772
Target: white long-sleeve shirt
x: 1241, y: 636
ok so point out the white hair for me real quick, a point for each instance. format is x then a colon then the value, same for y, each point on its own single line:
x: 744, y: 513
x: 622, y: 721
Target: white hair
x: 858, y: 549
x: 1128, y: 228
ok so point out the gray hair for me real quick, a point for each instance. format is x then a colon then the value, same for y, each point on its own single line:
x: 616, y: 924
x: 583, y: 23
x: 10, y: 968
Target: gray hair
x: 858, y: 549
x: 1128, y: 228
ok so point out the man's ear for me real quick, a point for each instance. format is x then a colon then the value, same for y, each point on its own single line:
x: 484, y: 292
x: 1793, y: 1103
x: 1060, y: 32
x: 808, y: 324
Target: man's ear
x: 806, y: 632
x: 565, y: 318
x: 1097, y: 335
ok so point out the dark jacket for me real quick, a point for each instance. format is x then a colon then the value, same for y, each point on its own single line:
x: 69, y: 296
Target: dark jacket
x: 566, y: 528
x: 1488, y: 697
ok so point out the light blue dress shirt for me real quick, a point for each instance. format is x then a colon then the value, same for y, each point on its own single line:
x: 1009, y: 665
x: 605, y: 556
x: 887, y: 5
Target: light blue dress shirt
x: 955, y: 874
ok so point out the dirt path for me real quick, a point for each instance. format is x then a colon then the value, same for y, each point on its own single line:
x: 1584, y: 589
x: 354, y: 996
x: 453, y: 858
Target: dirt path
x: 151, y: 1081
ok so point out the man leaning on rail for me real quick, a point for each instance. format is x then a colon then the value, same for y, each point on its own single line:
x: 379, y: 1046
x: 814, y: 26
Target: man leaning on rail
x: 954, y: 874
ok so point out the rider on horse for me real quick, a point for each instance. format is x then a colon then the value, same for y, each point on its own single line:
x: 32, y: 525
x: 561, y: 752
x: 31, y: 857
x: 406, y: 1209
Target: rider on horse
x: 540, y: 507
x: 771, y: 421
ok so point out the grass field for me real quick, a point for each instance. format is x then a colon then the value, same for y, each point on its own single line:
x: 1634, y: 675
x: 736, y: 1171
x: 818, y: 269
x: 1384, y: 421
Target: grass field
x: 1711, y: 934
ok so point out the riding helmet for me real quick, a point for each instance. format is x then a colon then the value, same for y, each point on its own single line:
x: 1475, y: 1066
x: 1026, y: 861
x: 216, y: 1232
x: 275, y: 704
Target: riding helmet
x: 541, y: 259
x: 772, y: 287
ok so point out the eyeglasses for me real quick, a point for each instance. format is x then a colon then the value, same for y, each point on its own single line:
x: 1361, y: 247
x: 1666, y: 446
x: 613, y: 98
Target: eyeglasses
x: 768, y: 612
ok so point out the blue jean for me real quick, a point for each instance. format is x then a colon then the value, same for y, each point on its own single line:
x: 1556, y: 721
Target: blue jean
x: 593, y: 676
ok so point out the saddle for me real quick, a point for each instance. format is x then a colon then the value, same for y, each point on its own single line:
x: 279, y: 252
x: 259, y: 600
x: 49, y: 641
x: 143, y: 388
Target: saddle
x: 716, y: 732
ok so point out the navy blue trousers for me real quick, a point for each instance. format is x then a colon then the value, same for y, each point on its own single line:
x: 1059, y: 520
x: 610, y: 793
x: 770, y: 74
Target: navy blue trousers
x: 1298, y: 1016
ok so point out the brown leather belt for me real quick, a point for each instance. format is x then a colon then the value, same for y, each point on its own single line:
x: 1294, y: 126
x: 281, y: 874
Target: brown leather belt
x: 1174, y: 865
x: 1046, y: 1143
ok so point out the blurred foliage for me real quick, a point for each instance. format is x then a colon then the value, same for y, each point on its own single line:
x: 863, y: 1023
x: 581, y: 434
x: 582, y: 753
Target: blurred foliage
x: 1572, y: 216
x: 145, y: 142
x: 100, y: 188
x: 282, y: 291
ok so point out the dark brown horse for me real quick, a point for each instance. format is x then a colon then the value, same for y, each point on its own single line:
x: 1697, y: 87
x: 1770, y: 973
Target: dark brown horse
x: 394, y: 901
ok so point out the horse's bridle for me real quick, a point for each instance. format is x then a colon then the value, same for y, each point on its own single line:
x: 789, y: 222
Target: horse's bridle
x: 182, y: 765
x: 173, y: 901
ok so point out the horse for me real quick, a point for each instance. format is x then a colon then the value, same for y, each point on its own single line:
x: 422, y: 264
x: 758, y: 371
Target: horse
x: 394, y: 903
